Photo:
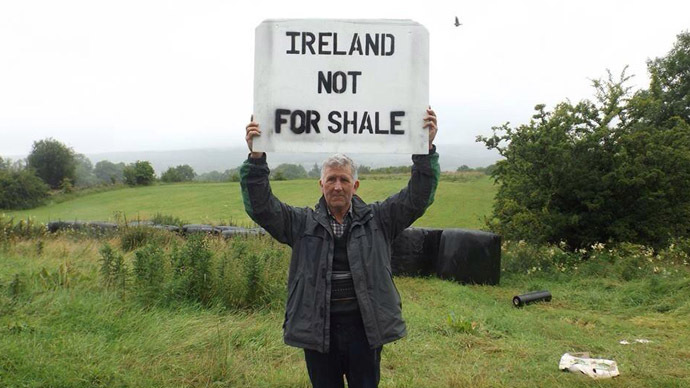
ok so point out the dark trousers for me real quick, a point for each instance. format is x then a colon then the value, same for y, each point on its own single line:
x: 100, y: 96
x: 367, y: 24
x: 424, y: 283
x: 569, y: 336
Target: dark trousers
x: 350, y: 355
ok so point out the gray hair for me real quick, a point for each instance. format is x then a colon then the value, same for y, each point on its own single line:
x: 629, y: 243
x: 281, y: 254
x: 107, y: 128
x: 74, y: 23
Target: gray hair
x: 339, y: 160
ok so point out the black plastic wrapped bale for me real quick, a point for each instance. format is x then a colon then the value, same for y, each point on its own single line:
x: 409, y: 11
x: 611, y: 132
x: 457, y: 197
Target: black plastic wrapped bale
x: 407, y: 254
x: 55, y: 226
x: 229, y: 232
x: 195, y: 228
x: 469, y: 256
x: 169, y: 228
x: 102, y: 226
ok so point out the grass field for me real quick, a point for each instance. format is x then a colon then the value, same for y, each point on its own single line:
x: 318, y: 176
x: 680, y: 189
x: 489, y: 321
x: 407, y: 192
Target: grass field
x: 457, y: 205
x: 60, y: 328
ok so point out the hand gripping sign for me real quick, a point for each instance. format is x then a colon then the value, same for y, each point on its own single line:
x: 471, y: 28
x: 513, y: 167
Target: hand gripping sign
x: 341, y: 86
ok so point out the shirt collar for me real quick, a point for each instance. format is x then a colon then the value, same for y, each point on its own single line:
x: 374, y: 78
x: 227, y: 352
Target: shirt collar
x: 349, y: 212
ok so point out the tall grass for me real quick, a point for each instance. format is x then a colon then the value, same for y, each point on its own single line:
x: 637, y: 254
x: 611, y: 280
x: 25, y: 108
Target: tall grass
x: 64, y: 323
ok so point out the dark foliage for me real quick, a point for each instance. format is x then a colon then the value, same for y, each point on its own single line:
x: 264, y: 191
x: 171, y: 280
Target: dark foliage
x: 21, y: 189
x: 139, y: 174
x: 617, y: 169
x: 52, y: 161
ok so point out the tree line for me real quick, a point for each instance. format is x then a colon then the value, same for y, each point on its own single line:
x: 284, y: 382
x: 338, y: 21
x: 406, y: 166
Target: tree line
x: 53, y: 167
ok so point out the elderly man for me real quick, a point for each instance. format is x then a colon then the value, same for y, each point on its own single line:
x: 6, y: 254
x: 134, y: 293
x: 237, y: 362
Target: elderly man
x: 342, y: 304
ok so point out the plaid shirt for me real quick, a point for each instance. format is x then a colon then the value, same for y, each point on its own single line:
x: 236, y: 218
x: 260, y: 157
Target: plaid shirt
x: 337, y: 227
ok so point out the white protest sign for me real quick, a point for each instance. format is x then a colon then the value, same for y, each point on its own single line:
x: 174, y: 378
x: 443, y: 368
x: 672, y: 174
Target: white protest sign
x: 341, y: 86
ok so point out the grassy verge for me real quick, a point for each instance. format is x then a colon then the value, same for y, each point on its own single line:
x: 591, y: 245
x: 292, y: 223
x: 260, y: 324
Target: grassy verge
x: 60, y: 326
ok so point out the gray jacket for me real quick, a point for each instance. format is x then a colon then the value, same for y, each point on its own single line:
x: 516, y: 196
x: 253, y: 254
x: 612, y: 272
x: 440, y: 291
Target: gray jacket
x: 308, y: 232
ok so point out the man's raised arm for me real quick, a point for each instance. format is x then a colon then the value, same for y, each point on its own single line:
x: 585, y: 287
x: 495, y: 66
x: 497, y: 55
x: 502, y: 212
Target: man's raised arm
x: 400, y: 210
x: 261, y: 205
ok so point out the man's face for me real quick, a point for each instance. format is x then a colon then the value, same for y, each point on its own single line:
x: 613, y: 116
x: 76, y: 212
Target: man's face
x: 338, y: 186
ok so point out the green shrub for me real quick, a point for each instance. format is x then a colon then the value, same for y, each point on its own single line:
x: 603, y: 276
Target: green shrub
x: 133, y: 237
x: 149, y: 273
x: 53, y: 161
x: 252, y: 278
x: 113, y: 268
x: 182, y: 173
x: 613, y: 169
x: 191, y: 266
x: 139, y: 174
x: 167, y: 219
x: 25, y: 229
x: 21, y: 189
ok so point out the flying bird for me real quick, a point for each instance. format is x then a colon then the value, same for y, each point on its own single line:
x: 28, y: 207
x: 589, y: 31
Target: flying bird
x: 457, y: 22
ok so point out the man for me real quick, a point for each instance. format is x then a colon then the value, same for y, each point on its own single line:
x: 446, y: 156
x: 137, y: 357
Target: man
x: 342, y: 303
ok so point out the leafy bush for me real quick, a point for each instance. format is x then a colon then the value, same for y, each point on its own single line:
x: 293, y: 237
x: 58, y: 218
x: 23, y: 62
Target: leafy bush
x: 21, y: 189
x: 287, y: 171
x: 113, y: 268
x: 52, y: 161
x: 617, y: 169
x: 139, y: 174
x: 108, y: 172
x: 249, y: 279
x: 191, y: 266
x: 149, y: 272
x: 182, y: 173
x: 84, y: 173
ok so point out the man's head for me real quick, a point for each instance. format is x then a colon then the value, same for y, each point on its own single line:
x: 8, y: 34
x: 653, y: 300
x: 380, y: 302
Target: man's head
x: 338, y: 182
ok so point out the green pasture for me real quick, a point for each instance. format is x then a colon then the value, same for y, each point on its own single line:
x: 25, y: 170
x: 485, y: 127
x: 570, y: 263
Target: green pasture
x: 459, y: 204
x: 60, y: 327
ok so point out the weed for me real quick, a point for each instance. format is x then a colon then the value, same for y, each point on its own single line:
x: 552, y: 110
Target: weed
x: 17, y: 286
x: 149, y: 272
x: 460, y: 325
x: 113, y: 268
x: 61, y: 278
x: 135, y: 237
x: 192, y: 270
x: 167, y: 219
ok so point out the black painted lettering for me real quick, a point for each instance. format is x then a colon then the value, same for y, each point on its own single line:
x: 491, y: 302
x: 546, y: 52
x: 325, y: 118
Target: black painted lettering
x: 372, y: 44
x: 294, y: 127
x: 325, y: 81
x: 279, y: 120
x: 395, y: 122
x: 352, y: 122
x: 354, y: 75
x: 293, y: 41
x: 335, y: 45
x: 391, y: 49
x: 366, y: 123
x: 378, y: 129
x: 356, y: 45
x: 335, y: 128
x: 313, y: 118
x: 323, y: 43
x: 339, y: 82
x: 308, y: 41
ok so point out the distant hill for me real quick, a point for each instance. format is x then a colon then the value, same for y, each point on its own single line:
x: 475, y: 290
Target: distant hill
x: 221, y: 159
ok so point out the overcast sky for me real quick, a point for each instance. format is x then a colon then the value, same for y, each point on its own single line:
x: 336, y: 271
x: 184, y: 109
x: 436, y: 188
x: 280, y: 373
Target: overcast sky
x: 163, y: 75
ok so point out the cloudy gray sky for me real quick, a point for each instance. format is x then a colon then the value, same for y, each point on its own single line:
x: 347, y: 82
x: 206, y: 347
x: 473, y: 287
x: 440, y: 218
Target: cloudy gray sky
x: 162, y: 75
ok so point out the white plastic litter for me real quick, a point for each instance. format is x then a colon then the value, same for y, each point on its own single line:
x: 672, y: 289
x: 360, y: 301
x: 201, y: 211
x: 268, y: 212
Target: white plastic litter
x: 596, y: 368
x: 638, y: 340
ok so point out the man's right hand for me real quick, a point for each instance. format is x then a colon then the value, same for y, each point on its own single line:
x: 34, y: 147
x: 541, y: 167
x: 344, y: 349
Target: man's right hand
x: 252, y: 130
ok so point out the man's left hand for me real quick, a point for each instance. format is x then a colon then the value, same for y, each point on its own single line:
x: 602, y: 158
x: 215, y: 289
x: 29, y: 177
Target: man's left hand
x: 430, y: 122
